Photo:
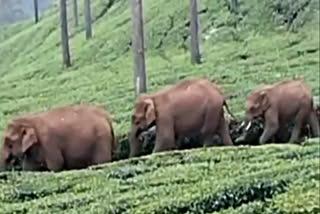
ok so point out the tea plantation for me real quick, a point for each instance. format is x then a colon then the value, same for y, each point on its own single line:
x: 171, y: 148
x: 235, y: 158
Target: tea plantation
x: 270, y: 179
x: 267, y: 41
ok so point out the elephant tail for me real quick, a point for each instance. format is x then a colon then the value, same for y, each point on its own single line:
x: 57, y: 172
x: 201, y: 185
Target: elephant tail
x: 109, y: 119
x: 228, y: 110
x: 113, y: 143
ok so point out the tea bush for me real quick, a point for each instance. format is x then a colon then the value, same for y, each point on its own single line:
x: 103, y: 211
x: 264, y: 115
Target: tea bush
x: 205, y: 180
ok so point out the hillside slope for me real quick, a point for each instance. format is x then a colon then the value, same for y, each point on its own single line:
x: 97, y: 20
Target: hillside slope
x: 259, y: 51
x: 273, y: 40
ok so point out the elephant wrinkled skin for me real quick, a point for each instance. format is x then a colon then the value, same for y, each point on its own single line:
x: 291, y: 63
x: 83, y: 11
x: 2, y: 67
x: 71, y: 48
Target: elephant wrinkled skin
x: 64, y: 138
x: 281, y: 103
x: 192, y: 106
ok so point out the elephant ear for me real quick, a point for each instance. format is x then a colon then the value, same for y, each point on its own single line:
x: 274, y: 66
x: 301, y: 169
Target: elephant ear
x: 29, y: 138
x: 264, y: 100
x: 150, y: 113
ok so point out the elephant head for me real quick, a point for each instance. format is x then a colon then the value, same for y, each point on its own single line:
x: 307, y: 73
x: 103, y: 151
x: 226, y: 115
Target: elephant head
x: 257, y: 104
x: 18, y: 139
x: 142, y: 119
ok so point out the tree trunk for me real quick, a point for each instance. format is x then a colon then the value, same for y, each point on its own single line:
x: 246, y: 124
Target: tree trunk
x: 75, y: 12
x: 36, y: 11
x: 194, y: 29
x: 138, y: 47
x: 234, y: 6
x: 88, y: 23
x: 64, y: 33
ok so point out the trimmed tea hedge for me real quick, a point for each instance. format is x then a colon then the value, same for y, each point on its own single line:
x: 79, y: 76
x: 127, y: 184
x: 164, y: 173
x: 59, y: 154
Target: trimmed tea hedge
x: 271, y: 178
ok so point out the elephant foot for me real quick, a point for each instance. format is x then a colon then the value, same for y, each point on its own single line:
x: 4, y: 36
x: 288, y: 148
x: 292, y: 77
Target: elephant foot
x: 300, y: 141
x: 297, y: 140
x: 261, y: 141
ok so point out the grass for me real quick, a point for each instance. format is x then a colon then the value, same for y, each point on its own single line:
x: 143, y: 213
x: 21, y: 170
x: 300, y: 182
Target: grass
x: 261, y: 49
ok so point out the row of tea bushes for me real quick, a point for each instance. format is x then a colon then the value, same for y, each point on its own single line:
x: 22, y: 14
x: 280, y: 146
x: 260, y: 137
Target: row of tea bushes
x: 273, y: 178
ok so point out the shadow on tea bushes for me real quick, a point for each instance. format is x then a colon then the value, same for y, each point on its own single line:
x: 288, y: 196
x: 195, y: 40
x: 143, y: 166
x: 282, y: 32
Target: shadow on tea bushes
x: 233, y: 197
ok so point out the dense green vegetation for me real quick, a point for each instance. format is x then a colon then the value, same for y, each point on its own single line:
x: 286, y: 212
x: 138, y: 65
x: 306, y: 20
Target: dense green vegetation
x: 268, y: 41
x: 271, y: 179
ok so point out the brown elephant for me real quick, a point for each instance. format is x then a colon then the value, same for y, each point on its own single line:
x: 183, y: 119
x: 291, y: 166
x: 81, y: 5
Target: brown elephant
x: 281, y: 103
x: 192, y: 106
x: 69, y: 137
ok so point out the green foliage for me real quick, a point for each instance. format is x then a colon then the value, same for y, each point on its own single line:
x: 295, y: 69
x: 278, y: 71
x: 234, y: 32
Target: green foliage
x: 291, y: 13
x: 240, y: 52
x: 214, y: 180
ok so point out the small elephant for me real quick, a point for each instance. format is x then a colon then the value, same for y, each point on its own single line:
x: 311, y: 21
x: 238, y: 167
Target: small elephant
x: 191, y: 107
x: 281, y: 103
x: 70, y: 137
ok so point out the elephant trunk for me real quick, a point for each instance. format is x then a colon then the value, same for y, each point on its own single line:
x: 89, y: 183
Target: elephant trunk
x: 3, y: 160
x: 135, y: 145
x: 250, y: 117
x: 2, y: 165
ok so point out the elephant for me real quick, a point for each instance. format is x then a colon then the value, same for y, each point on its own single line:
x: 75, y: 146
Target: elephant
x: 63, y: 138
x: 280, y: 103
x: 190, y: 107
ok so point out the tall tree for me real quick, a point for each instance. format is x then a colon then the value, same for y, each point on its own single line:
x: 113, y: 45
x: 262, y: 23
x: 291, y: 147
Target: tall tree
x: 64, y: 33
x: 87, y: 8
x: 138, y: 47
x: 194, y: 30
x: 75, y: 12
x: 36, y: 11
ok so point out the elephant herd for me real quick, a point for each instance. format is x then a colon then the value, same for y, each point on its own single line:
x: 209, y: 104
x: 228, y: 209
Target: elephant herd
x: 79, y: 136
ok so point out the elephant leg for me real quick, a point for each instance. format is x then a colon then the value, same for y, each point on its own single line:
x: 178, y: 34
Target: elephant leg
x: 207, y: 140
x: 299, y: 122
x: 314, y: 124
x: 210, y: 126
x: 224, y: 132
x: 54, y: 160
x: 27, y: 165
x: 179, y: 141
x: 103, y: 150
x: 164, y: 142
x: 165, y: 137
x: 282, y: 135
x: 30, y: 165
x: 271, y: 127
x: 102, y: 155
